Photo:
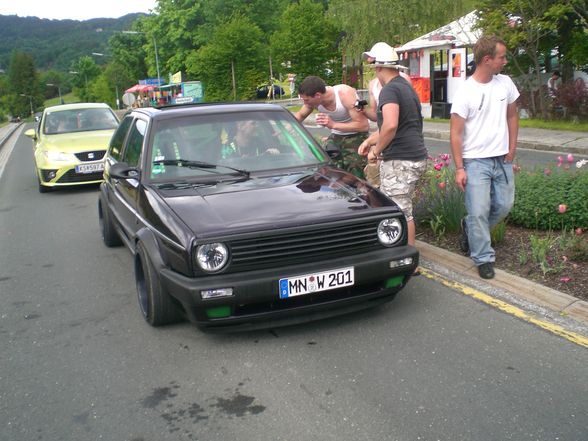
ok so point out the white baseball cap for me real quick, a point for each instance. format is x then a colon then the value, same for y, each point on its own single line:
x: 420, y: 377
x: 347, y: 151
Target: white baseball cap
x: 384, y: 55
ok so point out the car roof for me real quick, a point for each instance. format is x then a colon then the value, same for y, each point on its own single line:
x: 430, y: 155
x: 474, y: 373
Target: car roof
x: 75, y: 106
x: 165, y: 112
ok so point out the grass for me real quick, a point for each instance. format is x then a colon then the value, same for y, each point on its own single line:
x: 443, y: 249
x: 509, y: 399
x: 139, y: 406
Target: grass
x: 67, y: 99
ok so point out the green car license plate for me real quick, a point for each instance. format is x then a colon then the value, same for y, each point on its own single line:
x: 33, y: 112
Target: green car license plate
x: 90, y: 168
x: 309, y: 283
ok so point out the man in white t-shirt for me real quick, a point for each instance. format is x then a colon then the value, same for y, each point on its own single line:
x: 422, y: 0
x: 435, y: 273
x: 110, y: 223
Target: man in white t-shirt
x: 484, y: 128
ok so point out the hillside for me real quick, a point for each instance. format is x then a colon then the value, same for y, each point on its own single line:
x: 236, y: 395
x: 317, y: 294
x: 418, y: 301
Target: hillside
x: 55, y: 44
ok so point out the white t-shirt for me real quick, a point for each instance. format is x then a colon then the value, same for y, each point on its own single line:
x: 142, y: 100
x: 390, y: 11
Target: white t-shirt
x: 483, y: 106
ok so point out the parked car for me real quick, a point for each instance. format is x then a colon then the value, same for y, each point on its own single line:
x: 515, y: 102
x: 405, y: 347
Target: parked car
x: 70, y: 143
x: 264, y: 91
x: 236, y: 220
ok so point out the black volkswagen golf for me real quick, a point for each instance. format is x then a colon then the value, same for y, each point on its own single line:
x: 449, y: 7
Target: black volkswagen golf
x: 236, y: 220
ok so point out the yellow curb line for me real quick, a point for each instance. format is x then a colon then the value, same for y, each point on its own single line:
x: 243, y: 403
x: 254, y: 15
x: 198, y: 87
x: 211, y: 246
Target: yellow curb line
x: 508, y: 308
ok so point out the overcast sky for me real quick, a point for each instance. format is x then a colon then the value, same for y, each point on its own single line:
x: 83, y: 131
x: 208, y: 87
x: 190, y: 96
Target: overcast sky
x: 74, y: 9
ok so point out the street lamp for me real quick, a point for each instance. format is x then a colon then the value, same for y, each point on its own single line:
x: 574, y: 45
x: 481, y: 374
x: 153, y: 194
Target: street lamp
x: 58, y: 90
x: 75, y: 72
x: 30, y: 101
x: 154, y: 46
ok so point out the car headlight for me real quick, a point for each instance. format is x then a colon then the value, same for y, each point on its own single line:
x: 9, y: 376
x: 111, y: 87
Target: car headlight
x: 212, y: 257
x: 389, y: 231
x: 54, y: 156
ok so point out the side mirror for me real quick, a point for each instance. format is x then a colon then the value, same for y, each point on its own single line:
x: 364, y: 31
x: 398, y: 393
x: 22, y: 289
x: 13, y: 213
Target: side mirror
x: 121, y: 170
x: 31, y: 133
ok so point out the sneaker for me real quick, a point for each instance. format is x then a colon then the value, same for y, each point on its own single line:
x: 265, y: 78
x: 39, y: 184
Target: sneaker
x: 464, y: 245
x: 486, y: 270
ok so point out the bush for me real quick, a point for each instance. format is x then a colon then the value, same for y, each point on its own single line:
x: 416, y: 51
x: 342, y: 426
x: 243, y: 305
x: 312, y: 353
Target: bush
x: 573, y: 97
x: 553, y: 198
x: 438, y: 203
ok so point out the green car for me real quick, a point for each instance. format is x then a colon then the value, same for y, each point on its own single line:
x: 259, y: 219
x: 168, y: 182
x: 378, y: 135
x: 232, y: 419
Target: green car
x: 70, y: 143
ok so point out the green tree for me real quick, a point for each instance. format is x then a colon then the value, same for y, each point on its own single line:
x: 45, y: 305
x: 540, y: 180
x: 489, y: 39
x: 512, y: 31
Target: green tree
x: 306, y: 40
x: 127, y: 59
x: 24, y: 85
x: 234, y: 52
x: 85, y: 71
x: 532, y: 29
x: 396, y: 23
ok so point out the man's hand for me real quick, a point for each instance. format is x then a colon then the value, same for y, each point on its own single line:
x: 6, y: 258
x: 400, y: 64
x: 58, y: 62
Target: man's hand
x: 461, y: 179
x: 364, y: 148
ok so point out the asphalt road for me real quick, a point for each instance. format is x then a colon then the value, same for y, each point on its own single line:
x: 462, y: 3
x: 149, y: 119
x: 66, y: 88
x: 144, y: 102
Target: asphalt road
x: 78, y: 362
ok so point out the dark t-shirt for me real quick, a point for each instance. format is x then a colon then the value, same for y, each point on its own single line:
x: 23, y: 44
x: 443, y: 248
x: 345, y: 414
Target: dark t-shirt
x: 408, y: 143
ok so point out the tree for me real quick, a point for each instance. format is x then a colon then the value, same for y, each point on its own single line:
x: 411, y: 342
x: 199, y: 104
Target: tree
x: 127, y: 61
x: 234, y: 52
x: 306, y: 40
x: 23, y: 80
x: 396, y: 23
x: 85, y: 71
x: 532, y: 29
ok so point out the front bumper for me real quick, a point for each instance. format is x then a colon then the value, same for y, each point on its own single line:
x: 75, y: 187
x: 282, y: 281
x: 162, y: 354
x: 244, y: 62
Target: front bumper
x: 256, y: 303
x: 66, y: 175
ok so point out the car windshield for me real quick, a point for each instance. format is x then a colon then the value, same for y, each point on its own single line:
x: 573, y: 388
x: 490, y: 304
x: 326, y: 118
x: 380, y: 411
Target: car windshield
x: 79, y: 120
x: 246, y: 141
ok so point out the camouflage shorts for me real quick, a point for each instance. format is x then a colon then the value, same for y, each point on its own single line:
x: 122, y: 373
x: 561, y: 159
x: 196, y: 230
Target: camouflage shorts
x: 347, y: 145
x: 399, y: 179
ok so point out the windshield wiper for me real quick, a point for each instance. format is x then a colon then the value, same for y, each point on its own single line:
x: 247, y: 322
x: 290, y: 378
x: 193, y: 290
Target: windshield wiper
x: 198, y: 164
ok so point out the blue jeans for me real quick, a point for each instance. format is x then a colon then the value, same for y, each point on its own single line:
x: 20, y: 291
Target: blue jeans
x: 489, y: 196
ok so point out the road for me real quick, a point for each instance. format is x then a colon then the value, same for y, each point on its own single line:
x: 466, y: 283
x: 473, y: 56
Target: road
x: 78, y: 362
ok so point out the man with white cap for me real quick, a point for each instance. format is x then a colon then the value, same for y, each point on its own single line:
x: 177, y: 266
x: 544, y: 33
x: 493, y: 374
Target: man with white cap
x: 400, y: 143
x: 372, y: 170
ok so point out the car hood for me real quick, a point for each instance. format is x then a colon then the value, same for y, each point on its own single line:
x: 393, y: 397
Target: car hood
x: 273, y: 201
x: 77, y: 141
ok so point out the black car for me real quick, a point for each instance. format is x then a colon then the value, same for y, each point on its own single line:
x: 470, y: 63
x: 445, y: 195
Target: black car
x: 237, y: 220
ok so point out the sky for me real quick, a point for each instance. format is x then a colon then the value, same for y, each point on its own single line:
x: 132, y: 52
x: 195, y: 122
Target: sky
x: 74, y: 9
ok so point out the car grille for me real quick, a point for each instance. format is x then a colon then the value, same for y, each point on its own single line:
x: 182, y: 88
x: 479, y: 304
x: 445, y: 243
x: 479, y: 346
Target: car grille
x: 296, y: 245
x: 71, y: 176
x: 96, y: 155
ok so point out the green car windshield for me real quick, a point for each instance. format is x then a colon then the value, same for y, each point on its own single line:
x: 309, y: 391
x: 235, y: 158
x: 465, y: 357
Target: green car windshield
x: 251, y: 141
x: 79, y: 120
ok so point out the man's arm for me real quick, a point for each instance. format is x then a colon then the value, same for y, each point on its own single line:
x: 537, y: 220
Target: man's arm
x: 303, y: 113
x: 390, y: 113
x: 512, y: 122
x: 456, y: 127
x: 371, y: 111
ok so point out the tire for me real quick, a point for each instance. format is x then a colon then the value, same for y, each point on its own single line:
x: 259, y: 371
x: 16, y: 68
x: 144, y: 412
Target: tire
x: 109, y: 235
x: 157, y: 306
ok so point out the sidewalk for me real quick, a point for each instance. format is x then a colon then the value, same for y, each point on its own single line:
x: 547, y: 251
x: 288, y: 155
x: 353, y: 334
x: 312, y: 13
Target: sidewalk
x: 524, y: 290
x: 535, y: 139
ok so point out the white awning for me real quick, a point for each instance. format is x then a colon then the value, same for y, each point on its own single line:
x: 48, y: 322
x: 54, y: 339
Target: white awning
x: 458, y: 33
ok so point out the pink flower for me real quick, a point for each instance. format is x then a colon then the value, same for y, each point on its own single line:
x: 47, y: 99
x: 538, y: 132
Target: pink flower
x: 441, y: 185
x: 516, y: 168
x: 559, y: 161
x: 562, y: 208
x: 547, y: 172
x: 570, y: 158
x: 444, y: 157
x: 579, y: 231
x: 438, y: 166
x: 564, y: 279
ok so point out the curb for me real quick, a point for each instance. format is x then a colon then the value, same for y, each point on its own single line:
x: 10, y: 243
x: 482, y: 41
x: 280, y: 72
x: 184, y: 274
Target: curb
x: 521, y: 143
x: 523, y: 289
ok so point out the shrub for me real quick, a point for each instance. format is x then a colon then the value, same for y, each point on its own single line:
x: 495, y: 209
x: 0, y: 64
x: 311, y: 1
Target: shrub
x: 573, y: 97
x: 554, y: 198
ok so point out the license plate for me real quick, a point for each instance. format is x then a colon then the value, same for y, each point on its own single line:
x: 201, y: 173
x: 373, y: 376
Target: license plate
x: 90, y: 168
x: 309, y: 283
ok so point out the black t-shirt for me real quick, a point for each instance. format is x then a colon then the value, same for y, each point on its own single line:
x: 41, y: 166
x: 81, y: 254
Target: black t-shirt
x: 408, y: 143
